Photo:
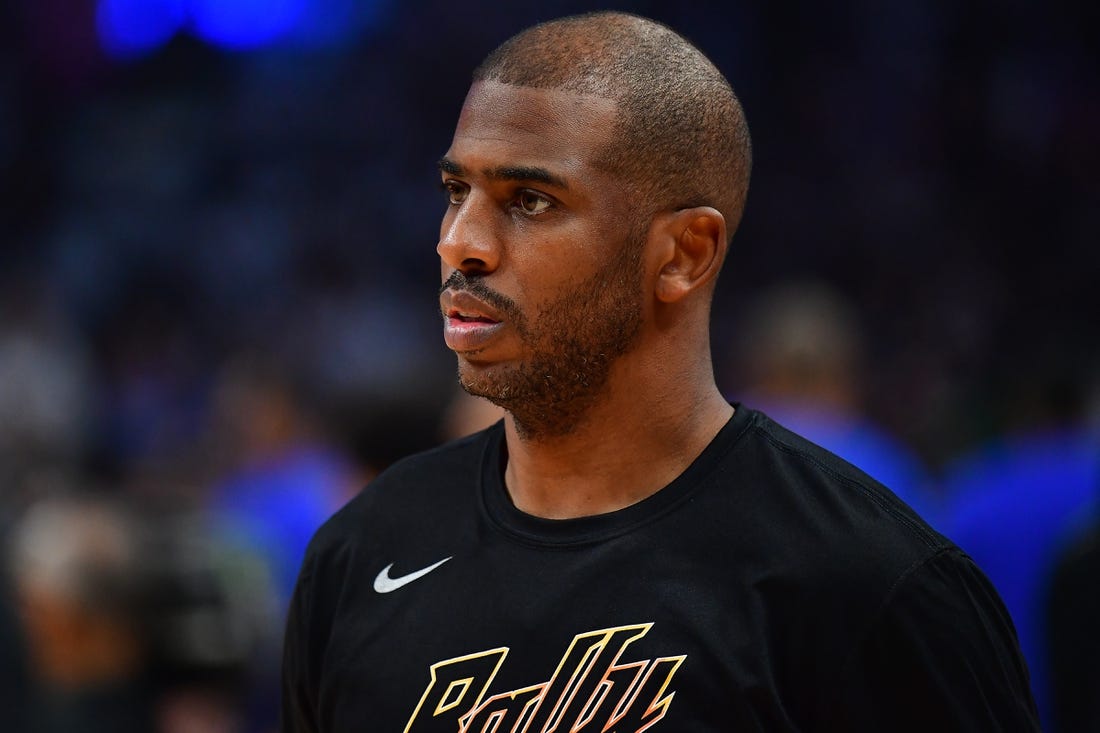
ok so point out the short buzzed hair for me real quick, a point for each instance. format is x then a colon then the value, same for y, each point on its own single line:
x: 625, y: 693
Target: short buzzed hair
x: 681, y: 138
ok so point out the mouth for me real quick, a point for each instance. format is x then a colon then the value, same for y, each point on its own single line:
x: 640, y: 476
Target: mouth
x: 470, y: 324
x: 461, y: 306
x: 457, y: 315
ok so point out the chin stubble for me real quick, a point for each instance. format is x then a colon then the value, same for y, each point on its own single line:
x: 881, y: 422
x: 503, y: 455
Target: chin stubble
x: 573, y: 345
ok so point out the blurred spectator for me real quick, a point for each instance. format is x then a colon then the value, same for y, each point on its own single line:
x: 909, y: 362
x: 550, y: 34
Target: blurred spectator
x: 1015, y: 505
x: 215, y: 626
x: 378, y: 430
x: 45, y: 380
x: 76, y: 569
x: 293, y: 449
x: 154, y: 391
x: 801, y: 357
x: 1073, y: 633
x: 283, y: 480
x: 377, y: 371
x: 133, y: 623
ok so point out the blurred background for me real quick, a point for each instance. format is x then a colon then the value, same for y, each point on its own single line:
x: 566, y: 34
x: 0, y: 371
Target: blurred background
x: 218, y: 314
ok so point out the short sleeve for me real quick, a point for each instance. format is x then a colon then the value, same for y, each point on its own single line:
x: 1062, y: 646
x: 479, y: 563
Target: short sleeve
x: 941, y: 655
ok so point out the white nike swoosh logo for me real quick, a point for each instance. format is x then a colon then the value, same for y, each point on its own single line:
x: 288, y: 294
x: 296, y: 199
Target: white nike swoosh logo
x: 385, y: 584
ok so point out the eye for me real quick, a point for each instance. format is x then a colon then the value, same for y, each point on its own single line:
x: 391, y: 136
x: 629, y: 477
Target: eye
x: 532, y: 203
x: 455, y: 192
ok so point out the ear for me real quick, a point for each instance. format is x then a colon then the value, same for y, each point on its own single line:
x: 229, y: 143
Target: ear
x: 693, y: 248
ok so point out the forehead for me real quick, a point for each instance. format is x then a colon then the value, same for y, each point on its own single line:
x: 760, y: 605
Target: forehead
x: 503, y: 124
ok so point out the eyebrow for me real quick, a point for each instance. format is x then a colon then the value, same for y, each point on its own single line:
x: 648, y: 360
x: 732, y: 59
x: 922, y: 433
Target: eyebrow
x: 508, y: 173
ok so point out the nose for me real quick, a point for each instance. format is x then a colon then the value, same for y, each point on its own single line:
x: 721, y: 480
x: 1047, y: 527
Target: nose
x: 467, y: 237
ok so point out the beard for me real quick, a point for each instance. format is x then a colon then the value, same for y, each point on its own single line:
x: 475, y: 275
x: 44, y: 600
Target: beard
x: 572, y: 346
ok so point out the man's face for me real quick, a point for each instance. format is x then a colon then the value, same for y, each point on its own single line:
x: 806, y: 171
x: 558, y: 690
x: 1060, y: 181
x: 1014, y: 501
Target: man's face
x: 541, y: 266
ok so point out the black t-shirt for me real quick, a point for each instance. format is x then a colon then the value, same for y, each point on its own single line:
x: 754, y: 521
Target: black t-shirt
x: 771, y: 586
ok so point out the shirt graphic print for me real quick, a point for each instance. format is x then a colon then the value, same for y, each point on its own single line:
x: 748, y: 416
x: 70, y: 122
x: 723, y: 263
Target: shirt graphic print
x: 596, y: 687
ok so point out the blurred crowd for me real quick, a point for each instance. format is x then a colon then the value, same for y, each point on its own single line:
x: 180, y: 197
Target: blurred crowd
x: 218, y: 315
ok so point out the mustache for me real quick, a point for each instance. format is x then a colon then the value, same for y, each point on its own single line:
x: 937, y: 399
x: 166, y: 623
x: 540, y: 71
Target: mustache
x: 476, y: 286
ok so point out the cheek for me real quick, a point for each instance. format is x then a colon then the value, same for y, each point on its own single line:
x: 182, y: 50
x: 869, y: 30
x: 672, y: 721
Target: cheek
x: 542, y: 289
x: 546, y: 267
x: 549, y: 271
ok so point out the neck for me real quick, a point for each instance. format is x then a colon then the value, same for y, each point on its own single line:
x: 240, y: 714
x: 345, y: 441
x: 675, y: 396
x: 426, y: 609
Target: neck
x: 642, y: 432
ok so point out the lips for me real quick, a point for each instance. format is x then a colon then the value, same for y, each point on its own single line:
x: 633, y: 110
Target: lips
x: 469, y: 322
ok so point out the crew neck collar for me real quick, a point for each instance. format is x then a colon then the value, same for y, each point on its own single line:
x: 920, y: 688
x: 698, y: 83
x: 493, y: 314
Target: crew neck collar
x: 566, y: 533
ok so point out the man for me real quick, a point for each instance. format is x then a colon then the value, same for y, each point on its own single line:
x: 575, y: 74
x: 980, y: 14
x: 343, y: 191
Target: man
x: 626, y: 550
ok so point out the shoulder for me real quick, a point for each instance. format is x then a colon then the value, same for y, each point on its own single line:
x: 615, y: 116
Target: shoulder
x: 829, y: 536
x: 905, y: 618
x: 940, y: 653
x: 831, y: 498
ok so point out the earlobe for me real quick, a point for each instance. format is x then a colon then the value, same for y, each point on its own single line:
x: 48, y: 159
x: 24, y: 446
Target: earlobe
x: 697, y: 246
